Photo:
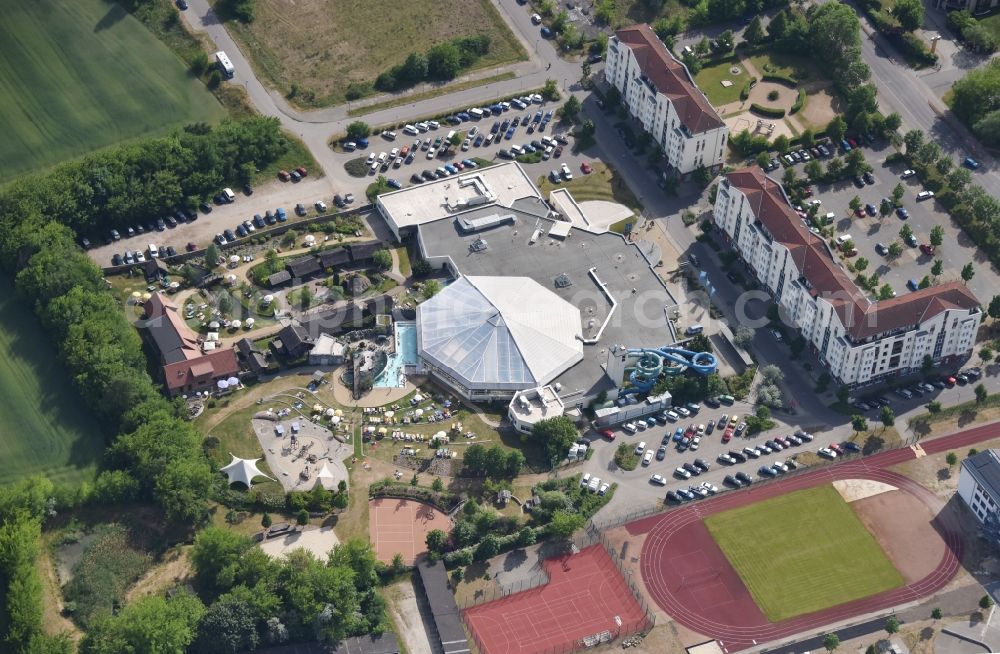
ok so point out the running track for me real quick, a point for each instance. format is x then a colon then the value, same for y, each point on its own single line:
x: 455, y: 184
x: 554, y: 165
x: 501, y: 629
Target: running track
x: 689, y: 578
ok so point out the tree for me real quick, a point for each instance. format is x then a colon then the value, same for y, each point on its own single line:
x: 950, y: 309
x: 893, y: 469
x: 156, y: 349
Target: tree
x: 835, y: 168
x: 892, y: 123
x: 550, y: 91
x: 563, y: 524
x: 444, y: 60
x: 986, y: 354
x: 302, y: 517
x: 305, y: 297
x: 382, y: 259
x: 859, y: 423
x: 211, y: 256
x: 488, y: 547
x: 937, y: 268
x: 913, y: 140
x: 513, y: 464
x: 149, y: 625
x: 744, y: 336
x: 993, y: 311
x: 981, y: 394
x: 836, y: 129
x: 781, y: 144
x: 813, y: 169
x: 985, y: 602
x: 854, y: 162
x: 570, y: 109
x: 358, y: 130
x: 861, y: 264
x: 968, y: 272
x: 831, y: 642
x: 888, y: 416
x: 944, y: 165
x: 788, y: 178
x: 265, y: 520
x: 855, y: 203
x: 909, y: 13
x: 951, y: 458
x: 754, y: 33
x: 437, y: 485
x: 934, y: 406
x: 555, y: 435
x: 886, y: 292
x: 436, y: 540
x: 936, y: 614
x: 892, y: 623
x: 772, y: 374
x: 229, y: 625
x: 905, y: 231
x: 959, y: 178
x: 895, y: 250
x: 431, y: 288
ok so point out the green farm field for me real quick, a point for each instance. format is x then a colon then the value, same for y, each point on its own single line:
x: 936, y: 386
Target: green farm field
x: 78, y: 76
x: 44, y: 426
x: 802, y: 552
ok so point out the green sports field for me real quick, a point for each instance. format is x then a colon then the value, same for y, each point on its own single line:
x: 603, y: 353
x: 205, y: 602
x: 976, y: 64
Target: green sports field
x: 44, y: 426
x: 80, y: 75
x: 802, y: 552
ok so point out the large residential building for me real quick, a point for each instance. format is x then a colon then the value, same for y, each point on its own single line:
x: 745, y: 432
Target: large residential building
x: 661, y: 94
x: 859, y: 340
x: 979, y: 483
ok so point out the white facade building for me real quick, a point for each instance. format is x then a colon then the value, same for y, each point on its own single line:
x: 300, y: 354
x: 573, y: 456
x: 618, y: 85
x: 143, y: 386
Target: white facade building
x: 860, y: 341
x: 660, y: 93
x: 979, y: 483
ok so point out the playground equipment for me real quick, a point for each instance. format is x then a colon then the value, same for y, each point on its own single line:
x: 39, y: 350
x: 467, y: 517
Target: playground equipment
x: 650, y: 363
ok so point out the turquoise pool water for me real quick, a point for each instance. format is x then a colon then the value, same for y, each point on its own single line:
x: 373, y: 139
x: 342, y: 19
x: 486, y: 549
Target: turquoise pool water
x: 406, y: 355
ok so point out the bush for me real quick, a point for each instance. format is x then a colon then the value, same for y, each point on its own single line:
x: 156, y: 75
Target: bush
x: 780, y: 79
x: 772, y: 96
x: 767, y: 112
x: 745, y: 91
x: 799, y: 102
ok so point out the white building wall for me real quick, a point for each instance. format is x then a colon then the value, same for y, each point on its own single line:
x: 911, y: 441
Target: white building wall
x: 685, y: 152
x: 819, y: 323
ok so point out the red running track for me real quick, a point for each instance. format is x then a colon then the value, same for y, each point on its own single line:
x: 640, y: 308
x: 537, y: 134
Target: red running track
x: 583, y: 596
x: 690, y: 578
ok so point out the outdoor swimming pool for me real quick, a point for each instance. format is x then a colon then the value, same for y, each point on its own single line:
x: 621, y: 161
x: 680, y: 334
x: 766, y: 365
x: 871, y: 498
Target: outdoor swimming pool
x: 406, y: 355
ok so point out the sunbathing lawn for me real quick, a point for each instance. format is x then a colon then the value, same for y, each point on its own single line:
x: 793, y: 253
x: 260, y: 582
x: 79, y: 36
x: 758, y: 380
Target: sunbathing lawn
x: 782, y: 63
x: 709, y: 80
x: 803, y: 552
x: 603, y: 183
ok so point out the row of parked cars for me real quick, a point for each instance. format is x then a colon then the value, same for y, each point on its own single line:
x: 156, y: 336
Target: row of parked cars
x: 920, y: 389
x: 594, y: 484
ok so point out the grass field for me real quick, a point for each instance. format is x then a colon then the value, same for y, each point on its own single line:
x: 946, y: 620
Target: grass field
x: 603, y: 183
x: 44, y: 426
x: 709, y: 80
x: 789, y: 65
x: 322, y: 46
x: 78, y: 76
x: 802, y: 552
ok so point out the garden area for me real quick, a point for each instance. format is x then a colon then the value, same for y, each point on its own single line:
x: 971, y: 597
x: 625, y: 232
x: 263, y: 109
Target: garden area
x: 603, y: 183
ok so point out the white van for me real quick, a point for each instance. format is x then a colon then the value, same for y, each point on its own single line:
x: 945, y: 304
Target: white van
x: 476, y: 113
x: 585, y: 480
x: 154, y: 252
x: 447, y: 139
x: 829, y: 217
x: 844, y: 238
x: 230, y: 196
x: 694, y: 329
x: 411, y: 130
x: 630, y: 427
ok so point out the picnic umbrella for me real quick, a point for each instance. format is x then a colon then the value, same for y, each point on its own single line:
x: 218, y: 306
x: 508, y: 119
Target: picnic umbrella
x: 317, y: 408
x: 418, y: 397
x: 418, y: 412
x: 230, y: 279
x: 136, y: 295
x: 236, y: 324
x: 249, y: 323
x: 382, y: 430
x: 329, y: 412
x: 338, y: 412
x: 175, y: 285
x: 389, y: 414
x: 441, y: 434
x: 268, y: 299
x: 310, y: 238
x: 147, y: 296
x: 233, y: 381
x: 214, y: 324
x: 223, y: 384
x: 234, y: 259
x: 335, y: 420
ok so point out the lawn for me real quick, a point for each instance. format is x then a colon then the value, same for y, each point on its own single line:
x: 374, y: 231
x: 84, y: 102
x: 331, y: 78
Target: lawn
x: 709, y: 80
x: 47, y: 429
x: 802, y: 552
x: 992, y: 23
x: 788, y: 65
x: 324, y: 46
x: 236, y: 437
x: 78, y: 76
x: 603, y: 183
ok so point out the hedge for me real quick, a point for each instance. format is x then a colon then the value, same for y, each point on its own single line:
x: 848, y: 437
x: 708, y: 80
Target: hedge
x: 799, y: 102
x: 767, y: 112
x: 781, y: 79
x: 745, y: 91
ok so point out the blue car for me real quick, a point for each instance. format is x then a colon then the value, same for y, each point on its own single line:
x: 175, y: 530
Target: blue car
x: 463, y: 116
x: 362, y: 143
x: 510, y: 134
x: 394, y: 184
x: 902, y: 213
x: 478, y: 141
x: 280, y: 214
x: 495, y: 128
x: 451, y: 169
x: 845, y: 145
x: 537, y: 118
x: 546, y: 33
x: 971, y: 163
x: 679, y: 434
x: 469, y: 163
x: 912, y: 284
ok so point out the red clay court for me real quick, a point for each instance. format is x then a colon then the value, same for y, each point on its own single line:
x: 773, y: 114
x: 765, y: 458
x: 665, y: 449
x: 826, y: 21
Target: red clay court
x: 584, y: 594
x: 398, y: 526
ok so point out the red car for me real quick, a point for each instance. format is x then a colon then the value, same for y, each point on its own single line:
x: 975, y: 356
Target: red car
x: 585, y: 167
x: 608, y: 434
x: 927, y: 249
x: 860, y: 212
x: 950, y: 381
x: 302, y: 171
x: 727, y: 435
x: 191, y: 247
x: 837, y: 448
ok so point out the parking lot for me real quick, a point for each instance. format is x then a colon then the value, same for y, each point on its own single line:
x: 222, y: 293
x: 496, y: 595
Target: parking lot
x: 635, y: 485
x: 867, y: 232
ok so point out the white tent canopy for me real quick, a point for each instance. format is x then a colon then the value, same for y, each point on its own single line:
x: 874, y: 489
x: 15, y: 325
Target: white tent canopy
x: 242, y: 470
x: 326, y: 478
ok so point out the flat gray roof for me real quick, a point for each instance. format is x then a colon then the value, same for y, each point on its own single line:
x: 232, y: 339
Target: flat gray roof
x: 640, y: 318
x: 985, y: 467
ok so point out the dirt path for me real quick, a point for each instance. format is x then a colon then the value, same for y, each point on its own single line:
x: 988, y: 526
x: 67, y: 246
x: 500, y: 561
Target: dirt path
x: 410, y: 622
x: 53, y: 620
x: 174, y: 569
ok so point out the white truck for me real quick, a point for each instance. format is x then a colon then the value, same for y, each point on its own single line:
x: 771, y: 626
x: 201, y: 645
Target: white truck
x: 226, y: 66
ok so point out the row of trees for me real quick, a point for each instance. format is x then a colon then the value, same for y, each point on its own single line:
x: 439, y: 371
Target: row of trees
x: 975, y: 102
x: 142, y: 180
x: 442, y: 62
x: 495, y: 462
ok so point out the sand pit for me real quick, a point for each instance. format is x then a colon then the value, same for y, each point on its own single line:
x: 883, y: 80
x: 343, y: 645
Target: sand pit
x: 858, y: 489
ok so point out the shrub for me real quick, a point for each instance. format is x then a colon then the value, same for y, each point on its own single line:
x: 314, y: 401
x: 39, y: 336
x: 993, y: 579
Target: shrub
x: 767, y: 112
x: 772, y: 96
x: 780, y: 79
x: 799, y: 102
x: 745, y: 92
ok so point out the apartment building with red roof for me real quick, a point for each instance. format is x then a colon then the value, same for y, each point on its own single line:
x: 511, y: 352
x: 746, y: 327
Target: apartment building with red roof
x: 660, y: 93
x: 862, y: 341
